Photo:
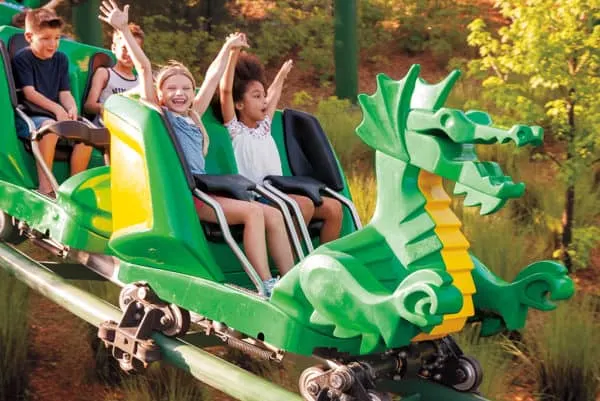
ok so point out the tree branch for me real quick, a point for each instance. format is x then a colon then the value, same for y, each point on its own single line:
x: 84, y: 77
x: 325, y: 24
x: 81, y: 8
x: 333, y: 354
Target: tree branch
x: 554, y: 159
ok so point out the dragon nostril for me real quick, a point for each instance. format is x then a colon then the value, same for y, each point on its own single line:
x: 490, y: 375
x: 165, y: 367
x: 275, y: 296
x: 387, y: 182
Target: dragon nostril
x: 445, y: 120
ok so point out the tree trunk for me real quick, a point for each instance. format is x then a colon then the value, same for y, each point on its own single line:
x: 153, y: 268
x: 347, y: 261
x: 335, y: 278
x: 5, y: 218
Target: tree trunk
x: 569, y: 211
x: 567, y: 226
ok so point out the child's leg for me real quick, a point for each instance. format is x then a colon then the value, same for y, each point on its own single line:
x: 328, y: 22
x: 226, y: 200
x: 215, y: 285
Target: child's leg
x: 47, y: 148
x: 251, y: 216
x: 277, y: 238
x: 306, y: 206
x: 331, y: 214
x: 80, y: 158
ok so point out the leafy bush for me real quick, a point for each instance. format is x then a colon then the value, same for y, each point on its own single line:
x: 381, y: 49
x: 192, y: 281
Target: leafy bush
x: 14, y: 298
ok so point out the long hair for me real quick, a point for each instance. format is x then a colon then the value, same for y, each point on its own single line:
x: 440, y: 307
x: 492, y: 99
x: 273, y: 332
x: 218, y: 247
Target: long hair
x: 171, y: 69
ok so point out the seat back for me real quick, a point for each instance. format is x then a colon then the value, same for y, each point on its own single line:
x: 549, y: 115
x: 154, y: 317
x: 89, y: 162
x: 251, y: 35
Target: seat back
x: 309, y: 153
x: 97, y: 60
x: 152, y: 205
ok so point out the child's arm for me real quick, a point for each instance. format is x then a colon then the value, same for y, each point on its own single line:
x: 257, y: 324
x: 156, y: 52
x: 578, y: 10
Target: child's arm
x: 226, y: 87
x: 68, y: 102
x: 51, y: 5
x: 274, y: 91
x: 99, y: 81
x: 215, y: 71
x: 35, y: 97
x: 112, y: 15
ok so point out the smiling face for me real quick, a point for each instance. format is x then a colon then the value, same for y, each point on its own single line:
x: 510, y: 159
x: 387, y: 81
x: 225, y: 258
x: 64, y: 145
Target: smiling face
x: 44, y: 42
x: 253, y: 106
x: 176, y: 93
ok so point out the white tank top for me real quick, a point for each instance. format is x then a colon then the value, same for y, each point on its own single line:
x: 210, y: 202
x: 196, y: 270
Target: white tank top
x: 114, y: 85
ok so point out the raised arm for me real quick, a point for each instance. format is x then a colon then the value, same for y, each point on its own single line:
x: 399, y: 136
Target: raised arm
x: 274, y: 91
x: 215, y: 72
x: 226, y: 87
x: 119, y: 19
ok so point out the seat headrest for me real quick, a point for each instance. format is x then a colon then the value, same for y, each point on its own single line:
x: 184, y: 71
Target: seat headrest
x: 9, y: 74
x: 16, y: 43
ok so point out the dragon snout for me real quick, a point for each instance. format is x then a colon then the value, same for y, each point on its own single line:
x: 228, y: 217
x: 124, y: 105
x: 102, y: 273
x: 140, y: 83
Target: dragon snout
x: 524, y: 135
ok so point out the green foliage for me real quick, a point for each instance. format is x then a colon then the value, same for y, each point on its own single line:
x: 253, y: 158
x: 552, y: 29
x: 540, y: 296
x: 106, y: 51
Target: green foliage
x: 292, y: 27
x: 181, y: 43
x: 14, y: 297
x: 562, y: 353
x: 544, y: 67
x: 416, y: 26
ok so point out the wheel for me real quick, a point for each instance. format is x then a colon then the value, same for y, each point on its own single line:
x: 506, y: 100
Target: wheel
x: 472, y: 373
x: 127, y: 295
x: 377, y: 396
x: 310, y: 392
x: 9, y: 232
x: 180, y: 322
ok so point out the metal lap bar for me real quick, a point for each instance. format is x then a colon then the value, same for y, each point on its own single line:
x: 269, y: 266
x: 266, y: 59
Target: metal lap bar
x: 35, y: 149
x: 92, y: 125
x: 297, y: 213
x: 289, y: 222
x: 346, y: 202
x: 222, y: 220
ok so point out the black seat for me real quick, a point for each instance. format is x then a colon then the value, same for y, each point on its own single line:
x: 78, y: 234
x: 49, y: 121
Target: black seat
x: 308, y: 150
x: 299, y: 185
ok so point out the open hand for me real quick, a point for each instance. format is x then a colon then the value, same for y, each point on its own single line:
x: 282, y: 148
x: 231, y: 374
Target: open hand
x: 112, y: 15
x: 286, y: 68
x: 236, y: 40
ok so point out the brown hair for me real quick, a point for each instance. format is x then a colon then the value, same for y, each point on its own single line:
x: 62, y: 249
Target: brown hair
x: 136, y: 31
x: 41, y: 18
x: 173, y: 68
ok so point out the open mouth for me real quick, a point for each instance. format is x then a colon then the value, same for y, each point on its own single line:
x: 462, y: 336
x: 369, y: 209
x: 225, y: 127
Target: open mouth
x: 179, y: 101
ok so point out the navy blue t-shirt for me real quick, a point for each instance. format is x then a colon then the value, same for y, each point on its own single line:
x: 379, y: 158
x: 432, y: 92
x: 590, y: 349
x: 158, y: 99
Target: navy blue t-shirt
x: 48, y: 77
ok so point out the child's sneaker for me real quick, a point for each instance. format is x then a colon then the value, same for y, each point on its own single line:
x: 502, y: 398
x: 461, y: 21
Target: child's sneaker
x: 269, y: 284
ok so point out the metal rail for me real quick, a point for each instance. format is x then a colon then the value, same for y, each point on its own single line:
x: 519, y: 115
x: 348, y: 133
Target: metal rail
x: 204, y: 366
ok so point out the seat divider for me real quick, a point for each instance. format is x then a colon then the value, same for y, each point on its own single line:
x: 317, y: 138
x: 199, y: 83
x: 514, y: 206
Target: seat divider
x: 289, y: 222
x: 346, y: 202
x: 297, y: 213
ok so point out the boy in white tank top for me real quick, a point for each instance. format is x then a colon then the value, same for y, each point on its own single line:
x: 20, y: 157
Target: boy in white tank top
x: 113, y: 80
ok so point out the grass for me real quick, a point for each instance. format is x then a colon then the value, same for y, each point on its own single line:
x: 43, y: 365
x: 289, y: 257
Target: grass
x: 14, y: 298
x: 562, y: 352
x: 161, y: 382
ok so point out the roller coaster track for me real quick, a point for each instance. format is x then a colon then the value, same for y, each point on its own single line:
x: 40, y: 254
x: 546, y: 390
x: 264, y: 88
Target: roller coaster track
x: 207, y: 368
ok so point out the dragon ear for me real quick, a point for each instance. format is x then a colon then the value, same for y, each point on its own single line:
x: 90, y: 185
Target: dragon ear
x: 433, y: 96
x: 385, y: 113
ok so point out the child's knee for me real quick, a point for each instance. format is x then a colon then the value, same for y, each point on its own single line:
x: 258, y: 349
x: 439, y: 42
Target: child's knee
x: 273, y: 217
x: 253, y: 214
x: 332, y: 208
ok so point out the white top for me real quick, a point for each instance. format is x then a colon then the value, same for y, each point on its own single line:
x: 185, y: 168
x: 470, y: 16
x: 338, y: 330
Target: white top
x: 115, y: 84
x: 255, y: 150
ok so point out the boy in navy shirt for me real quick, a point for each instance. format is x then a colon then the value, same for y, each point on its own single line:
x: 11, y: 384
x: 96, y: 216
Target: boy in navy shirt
x: 42, y: 73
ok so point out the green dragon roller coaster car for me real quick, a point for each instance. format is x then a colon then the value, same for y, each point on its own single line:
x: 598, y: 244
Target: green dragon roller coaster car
x: 382, y: 299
